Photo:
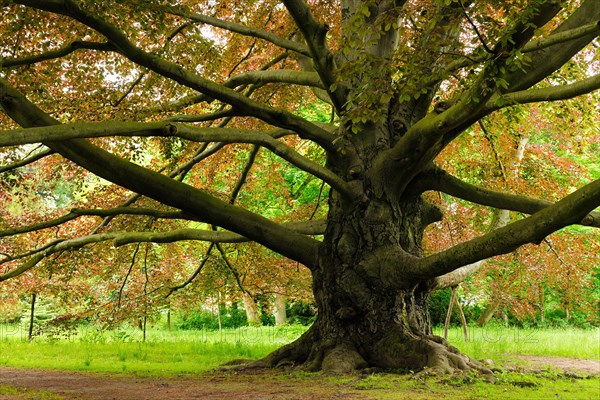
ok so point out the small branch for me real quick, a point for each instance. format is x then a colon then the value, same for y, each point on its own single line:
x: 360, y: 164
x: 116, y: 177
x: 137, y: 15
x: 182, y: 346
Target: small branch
x: 232, y: 269
x: 54, y: 54
x: 562, y: 37
x: 137, y: 249
x: 194, y: 275
x: 141, y: 76
x: 195, y: 99
x: 479, y: 36
x: 241, y: 29
x: 27, y: 160
x: 552, y: 93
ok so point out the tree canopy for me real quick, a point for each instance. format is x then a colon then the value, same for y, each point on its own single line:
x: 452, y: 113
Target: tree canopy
x: 130, y: 122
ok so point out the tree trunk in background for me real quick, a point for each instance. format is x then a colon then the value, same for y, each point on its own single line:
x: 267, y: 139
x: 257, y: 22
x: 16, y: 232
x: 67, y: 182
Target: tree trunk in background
x: 251, y: 310
x: 32, y: 316
x: 279, y: 309
x: 487, y: 314
x: 169, y: 319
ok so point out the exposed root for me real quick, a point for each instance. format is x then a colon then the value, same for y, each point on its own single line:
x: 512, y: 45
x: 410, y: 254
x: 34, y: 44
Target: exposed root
x: 431, y: 355
x: 343, y: 359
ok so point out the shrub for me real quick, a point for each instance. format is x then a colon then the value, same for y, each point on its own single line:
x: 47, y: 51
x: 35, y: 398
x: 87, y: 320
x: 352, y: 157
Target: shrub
x: 202, y: 318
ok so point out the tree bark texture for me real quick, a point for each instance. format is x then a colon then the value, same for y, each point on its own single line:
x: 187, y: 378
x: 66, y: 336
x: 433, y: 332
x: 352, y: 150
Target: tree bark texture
x: 368, y: 316
x: 279, y: 309
x: 251, y: 310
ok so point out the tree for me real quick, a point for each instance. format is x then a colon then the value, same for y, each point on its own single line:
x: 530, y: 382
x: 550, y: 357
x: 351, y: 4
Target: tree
x: 404, y: 80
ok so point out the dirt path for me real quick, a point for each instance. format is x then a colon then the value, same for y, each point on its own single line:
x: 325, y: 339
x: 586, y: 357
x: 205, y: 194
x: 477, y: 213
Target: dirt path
x: 565, y: 364
x: 217, y: 386
x: 81, y: 385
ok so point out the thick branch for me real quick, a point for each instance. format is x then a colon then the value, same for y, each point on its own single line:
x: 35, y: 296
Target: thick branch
x: 306, y: 228
x: 175, y: 72
x: 314, y: 33
x: 163, y: 189
x: 301, y: 78
x: 455, y: 277
x: 552, y: 93
x: 427, y: 138
x: 223, y: 135
x: 562, y: 37
x: 570, y: 210
x: 444, y: 182
x: 550, y: 58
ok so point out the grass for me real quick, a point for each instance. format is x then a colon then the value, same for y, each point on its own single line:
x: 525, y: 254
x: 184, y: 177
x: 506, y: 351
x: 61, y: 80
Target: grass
x: 498, y: 342
x: 12, y: 392
x: 186, y: 353
x: 122, y: 351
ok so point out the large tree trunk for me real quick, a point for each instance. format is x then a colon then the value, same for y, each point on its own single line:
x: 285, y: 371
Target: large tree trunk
x: 365, y: 320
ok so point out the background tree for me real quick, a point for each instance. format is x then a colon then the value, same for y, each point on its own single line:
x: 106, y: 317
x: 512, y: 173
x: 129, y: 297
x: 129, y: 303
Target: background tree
x: 142, y: 95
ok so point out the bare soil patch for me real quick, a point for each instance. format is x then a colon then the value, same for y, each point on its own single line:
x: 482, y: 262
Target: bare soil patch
x: 568, y: 365
x: 250, y: 385
x: 213, y: 386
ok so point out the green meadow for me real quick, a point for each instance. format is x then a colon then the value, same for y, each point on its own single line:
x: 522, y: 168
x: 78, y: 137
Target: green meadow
x: 190, y: 351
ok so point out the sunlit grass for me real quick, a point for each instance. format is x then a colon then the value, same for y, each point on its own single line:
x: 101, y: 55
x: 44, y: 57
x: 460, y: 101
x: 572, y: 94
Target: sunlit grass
x: 495, y: 341
x: 163, y: 353
x: 186, y: 352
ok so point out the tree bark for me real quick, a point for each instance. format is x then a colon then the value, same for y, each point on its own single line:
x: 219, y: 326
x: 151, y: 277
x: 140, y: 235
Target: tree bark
x: 487, y: 314
x: 32, y: 317
x: 279, y: 309
x: 365, y: 319
x: 251, y: 310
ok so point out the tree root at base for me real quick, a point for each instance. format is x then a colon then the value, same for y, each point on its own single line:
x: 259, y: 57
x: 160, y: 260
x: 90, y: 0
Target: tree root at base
x: 426, y: 355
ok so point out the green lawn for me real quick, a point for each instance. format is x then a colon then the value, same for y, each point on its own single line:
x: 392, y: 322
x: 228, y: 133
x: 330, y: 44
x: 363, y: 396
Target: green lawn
x: 498, y: 342
x: 186, y: 353
x: 182, y: 352
x: 164, y: 353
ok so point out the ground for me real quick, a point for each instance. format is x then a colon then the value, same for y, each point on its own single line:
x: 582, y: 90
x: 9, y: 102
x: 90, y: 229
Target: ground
x: 19, y: 384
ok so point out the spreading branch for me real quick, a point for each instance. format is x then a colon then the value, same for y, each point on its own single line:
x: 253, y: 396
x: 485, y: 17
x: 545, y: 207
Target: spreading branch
x: 54, y: 54
x: 162, y: 188
x: 444, y: 182
x: 241, y: 103
x: 572, y: 209
x: 80, y: 212
x: 123, y: 238
x: 63, y: 132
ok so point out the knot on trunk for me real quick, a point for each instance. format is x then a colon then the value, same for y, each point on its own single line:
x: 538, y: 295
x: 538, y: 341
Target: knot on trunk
x: 346, y: 313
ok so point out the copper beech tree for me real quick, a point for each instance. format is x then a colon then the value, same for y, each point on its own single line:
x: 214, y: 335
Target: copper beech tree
x: 109, y: 85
